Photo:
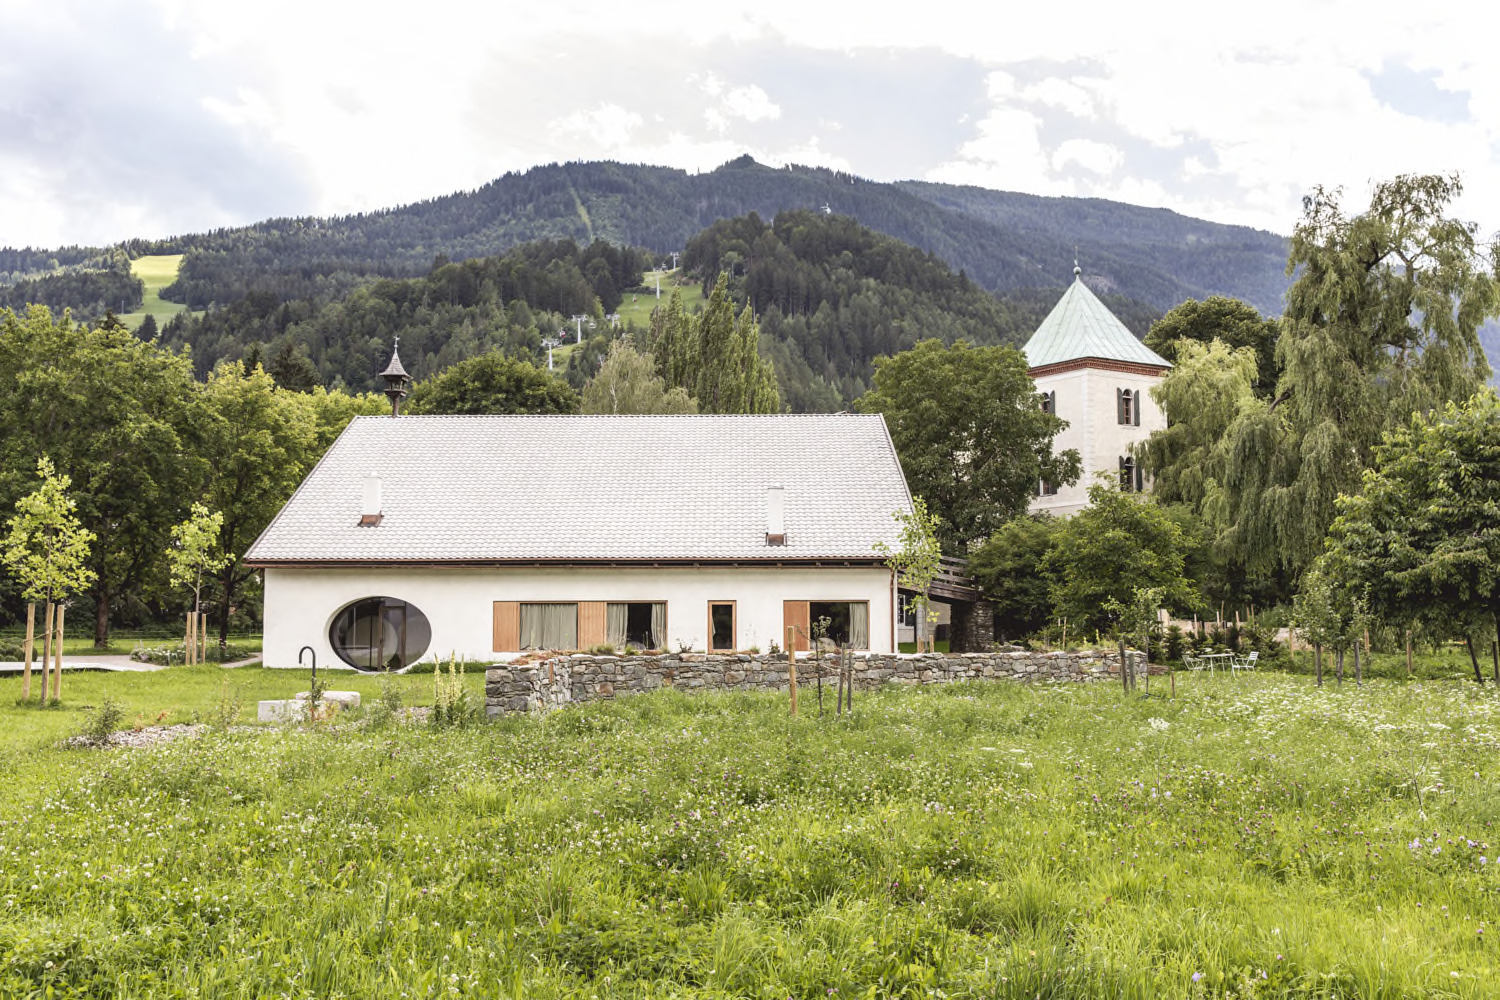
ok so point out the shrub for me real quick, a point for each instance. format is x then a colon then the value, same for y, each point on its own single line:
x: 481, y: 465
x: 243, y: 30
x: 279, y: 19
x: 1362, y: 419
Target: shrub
x: 226, y: 710
x: 602, y: 649
x: 102, y: 722
x: 176, y: 652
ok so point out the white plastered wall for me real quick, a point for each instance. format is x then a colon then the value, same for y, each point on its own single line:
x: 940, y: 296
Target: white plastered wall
x: 1086, y: 400
x: 458, y: 602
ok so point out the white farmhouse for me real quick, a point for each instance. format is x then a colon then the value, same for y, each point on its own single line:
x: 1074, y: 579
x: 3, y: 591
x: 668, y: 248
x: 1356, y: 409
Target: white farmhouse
x: 1093, y: 373
x: 484, y: 536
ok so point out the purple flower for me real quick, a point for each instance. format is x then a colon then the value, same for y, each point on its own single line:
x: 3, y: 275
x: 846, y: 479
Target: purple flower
x: 1197, y: 976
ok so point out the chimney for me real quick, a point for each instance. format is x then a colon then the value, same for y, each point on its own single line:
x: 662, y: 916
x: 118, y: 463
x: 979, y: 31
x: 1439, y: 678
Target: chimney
x: 370, y: 512
x: 775, y: 516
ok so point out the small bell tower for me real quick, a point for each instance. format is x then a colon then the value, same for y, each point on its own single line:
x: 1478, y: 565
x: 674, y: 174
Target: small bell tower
x: 396, y: 379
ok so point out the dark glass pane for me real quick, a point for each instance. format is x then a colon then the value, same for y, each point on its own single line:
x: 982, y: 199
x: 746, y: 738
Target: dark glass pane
x: 722, y: 616
x: 380, y: 633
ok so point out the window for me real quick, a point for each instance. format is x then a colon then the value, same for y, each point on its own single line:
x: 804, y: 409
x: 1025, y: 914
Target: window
x: 549, y: 626
x: 1046, y: 489
x: 720, y: 626
x: 848, y: 621
x: 1130, y: 475
x: 1049, y: 403
x: 1128, y: 406
x: 379, y: 633
x: 642, y: 624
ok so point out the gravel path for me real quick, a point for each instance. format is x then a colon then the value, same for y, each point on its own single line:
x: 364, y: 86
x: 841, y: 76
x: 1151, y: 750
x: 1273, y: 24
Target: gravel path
x: 117, y: 662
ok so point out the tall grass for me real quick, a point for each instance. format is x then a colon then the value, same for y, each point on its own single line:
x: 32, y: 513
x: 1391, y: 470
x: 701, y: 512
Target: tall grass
x: 1255, y: 837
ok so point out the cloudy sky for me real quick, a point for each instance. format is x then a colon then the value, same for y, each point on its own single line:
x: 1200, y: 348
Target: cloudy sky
x: 153, y: 117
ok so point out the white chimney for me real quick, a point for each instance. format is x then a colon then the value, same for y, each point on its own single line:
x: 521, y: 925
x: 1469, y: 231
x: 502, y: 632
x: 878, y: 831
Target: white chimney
x: 370, y: 512
x: 775, y: 515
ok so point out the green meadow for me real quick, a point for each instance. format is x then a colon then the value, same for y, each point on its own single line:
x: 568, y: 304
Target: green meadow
x: 1253, y: 837
x: 157, y: 272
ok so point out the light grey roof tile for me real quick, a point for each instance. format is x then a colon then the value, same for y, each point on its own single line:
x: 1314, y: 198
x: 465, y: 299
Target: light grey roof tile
x: 596, y: 487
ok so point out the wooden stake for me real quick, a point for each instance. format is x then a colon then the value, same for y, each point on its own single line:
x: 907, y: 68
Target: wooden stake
x: 791, y: 661
x: 28, y: 647
x: 203, y: 647
x: 189, y: 634
x: 57, y: 678
x: 47, y: 653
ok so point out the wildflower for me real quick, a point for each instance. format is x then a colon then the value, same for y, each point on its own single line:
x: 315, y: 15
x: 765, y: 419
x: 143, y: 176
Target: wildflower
x: 1197, y: 976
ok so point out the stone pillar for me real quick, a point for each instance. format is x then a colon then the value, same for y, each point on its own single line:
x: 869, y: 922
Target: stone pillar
x: 973, y: 627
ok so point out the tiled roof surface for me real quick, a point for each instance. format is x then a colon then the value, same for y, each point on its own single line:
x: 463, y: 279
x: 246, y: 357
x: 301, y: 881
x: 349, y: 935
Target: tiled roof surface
x: 1080, y: 326
x: 596, y: 487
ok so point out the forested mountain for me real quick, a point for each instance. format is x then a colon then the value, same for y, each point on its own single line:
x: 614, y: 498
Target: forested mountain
x: 1004, y: 242
x: 88, y: 282
x: 457, y: 310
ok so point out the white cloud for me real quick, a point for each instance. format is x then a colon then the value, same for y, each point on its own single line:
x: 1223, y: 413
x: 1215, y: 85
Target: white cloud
x: 752, y: 104
x: 1232, y: 116
x: 1099, y: 157
x: 607, y: 125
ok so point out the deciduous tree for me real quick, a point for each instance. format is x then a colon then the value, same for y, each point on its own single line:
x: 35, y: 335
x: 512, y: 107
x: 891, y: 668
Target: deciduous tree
x: 1422, y: 536
x: 1118, y: 544
x: 493, y: 383
x: 627, y: 383
x: 47, y: 550
x: 972, y: 437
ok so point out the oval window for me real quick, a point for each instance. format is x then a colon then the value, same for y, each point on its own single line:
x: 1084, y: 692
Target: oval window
x: 380, y: 634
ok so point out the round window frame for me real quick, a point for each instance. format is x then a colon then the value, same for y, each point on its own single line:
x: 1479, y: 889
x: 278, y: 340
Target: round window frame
x: 340, y: 649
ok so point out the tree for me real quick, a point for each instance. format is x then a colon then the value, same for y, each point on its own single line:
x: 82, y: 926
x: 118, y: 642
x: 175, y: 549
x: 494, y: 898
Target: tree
x: 259, y: 441
x: 1118, y: 544
x: 147, y: 330
x: 1134, y: 618
x: 972, y: 437
x: 1007, y: 569
x: 114, y: 414
x: 627, y: 383
x: 917, y: 561
x: 714, y: 357
x: 1231, y: 322
x: 1422, y: 537
x: 1380, y: 323
x: 192, y: 558
x: 493, y: 383
x: 47, y: 549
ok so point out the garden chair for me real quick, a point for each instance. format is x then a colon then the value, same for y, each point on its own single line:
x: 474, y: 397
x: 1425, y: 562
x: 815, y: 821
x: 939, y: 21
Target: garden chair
x: 1192, y: 662
x: 1244, y: 663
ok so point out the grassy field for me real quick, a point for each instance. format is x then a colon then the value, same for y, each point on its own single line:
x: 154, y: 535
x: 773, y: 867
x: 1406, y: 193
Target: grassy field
x: 157, y: 272
x: 1254, y: 837
x: 638, y: 305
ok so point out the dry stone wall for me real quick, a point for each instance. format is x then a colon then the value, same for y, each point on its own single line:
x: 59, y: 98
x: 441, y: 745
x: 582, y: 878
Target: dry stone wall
x: 560, y: 680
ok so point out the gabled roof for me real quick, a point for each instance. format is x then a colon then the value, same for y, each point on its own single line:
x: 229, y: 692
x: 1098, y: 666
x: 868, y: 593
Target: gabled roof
x: 583, y: 488
x: 1080, y: 326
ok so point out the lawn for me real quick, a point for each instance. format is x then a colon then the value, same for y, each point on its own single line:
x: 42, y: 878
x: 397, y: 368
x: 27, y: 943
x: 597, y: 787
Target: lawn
x: 157, y: 272
x: 1254, y: 837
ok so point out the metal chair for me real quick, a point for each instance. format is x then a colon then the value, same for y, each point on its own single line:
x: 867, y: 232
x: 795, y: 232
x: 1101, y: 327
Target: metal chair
x: 1244, y: 663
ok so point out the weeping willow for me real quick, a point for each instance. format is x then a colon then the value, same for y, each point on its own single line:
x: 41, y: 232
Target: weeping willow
x: 1381, y: 322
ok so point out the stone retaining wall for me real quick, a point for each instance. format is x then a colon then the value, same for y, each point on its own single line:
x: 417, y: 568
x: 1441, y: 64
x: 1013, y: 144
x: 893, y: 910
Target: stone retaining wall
x: 582, y: 677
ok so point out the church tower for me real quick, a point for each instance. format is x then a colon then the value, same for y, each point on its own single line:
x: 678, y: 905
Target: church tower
x: 1092, y: 372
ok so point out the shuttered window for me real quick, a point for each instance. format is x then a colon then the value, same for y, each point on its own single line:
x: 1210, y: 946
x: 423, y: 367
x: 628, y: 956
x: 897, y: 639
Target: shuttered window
x: 507, y: 626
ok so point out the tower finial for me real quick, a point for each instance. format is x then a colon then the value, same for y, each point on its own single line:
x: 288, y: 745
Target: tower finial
x: 1077, y: 271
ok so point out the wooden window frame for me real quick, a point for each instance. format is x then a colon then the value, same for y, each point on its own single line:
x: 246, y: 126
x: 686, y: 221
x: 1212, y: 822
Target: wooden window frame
x: 734, y: 627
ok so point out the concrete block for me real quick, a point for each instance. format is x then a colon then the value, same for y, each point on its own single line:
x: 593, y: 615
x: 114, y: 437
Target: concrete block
x: 284, y: 710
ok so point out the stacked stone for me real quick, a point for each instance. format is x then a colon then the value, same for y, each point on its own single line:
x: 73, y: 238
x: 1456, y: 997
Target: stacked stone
x: 584, y: 677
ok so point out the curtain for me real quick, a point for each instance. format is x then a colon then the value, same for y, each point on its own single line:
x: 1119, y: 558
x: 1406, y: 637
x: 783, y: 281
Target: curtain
x: 859, y: 625
x: 659, y: 625
x: 616, y: 622
x: 549, y: 626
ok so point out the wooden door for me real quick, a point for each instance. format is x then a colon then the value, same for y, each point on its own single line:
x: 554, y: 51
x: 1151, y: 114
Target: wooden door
x: 593, y: 624
x: 796, y: 613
